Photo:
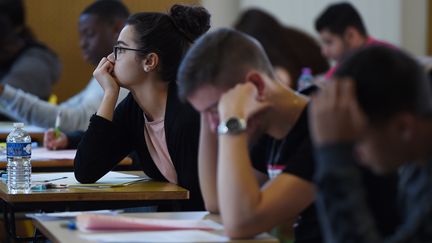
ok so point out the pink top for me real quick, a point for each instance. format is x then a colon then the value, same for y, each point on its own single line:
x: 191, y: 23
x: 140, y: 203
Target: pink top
x: 370, y: 42
x: 154, y: 133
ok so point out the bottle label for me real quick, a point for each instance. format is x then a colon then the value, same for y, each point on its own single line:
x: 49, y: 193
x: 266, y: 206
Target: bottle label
x: 18, y: 149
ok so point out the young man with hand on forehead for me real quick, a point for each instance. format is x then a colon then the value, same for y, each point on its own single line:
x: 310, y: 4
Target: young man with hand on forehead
x: 227, y: 77
x: 381, y: 106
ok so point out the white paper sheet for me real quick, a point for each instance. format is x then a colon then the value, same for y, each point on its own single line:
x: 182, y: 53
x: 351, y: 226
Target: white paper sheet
x: 69, y: 215
x: 45, y: 154
x: 178, y: 236
x: 159, y: 237
x: 68, y: 178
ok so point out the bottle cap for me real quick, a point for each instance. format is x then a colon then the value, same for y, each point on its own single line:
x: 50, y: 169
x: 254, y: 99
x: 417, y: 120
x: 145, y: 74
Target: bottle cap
x: 18, y: 124
x: 306, y: 70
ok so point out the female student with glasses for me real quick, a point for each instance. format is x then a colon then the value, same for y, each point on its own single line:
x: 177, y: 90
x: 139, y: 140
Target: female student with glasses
x: 151, y: 121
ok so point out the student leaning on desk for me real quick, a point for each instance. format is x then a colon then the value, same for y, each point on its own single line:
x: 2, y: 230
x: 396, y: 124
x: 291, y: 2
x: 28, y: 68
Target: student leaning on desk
x: 151, y: 120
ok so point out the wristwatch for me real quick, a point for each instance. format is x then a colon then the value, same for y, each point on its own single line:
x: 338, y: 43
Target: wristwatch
x: 233, y: 125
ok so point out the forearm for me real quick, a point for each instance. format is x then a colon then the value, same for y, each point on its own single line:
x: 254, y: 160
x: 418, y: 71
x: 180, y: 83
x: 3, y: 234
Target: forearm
x: 207, y: 166
x: 106, y: 108
x: 341, y: 199
x: 100, y: 149
x: 239, y: 192
x: 27, y: 107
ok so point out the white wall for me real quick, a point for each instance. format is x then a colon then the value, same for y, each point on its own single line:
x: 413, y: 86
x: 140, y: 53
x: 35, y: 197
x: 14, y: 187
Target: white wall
x: 400, y: 22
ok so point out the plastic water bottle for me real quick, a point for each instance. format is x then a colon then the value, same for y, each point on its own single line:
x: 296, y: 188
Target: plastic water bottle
x: 305, y: 80
x: 18, y: 151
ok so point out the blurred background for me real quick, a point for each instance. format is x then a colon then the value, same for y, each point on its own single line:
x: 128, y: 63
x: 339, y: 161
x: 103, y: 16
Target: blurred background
x: 404, y: 23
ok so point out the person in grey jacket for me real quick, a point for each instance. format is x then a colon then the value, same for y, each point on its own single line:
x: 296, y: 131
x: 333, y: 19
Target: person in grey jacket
x: 25, y: 63
x: 99, y: 26
x: 378, y: 112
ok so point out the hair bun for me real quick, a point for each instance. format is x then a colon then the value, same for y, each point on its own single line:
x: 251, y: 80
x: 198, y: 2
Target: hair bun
x: 192, y: 21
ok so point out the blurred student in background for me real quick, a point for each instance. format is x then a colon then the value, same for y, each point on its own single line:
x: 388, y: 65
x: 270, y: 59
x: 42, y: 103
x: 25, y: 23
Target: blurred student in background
x: 381, y: 105
x: 288, y: 49
x: 341, y: 30
x: 25, y: 62
x: 99, y: 26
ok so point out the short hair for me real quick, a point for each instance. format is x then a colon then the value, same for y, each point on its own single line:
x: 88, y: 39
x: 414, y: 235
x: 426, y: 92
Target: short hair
x: 169, y: 35
x: 107, y: 10
x: 388, y: 81
x: 338, y: 17
x: 286, y: 47
x: 220, y: 58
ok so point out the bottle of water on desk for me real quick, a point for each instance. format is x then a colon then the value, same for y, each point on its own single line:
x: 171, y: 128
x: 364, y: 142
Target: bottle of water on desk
x: 18, y: 152
x: 305, y: 80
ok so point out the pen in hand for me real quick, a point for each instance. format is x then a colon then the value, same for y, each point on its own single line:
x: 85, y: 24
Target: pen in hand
x: 57, y: 124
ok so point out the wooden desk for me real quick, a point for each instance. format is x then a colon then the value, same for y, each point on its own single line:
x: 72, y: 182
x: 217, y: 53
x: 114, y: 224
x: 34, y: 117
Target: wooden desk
x: 36, y: 133
x: 56, y: 232
x: 140, y: 191
x: 87, y: 198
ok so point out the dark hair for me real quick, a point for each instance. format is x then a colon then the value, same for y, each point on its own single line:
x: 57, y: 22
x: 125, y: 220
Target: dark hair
x: 14, y: 11
x: 338, y: 17
x: 169, y: 35
x: 387, y: 81
x: 12, y: 21
x: 221, y: 59
x: 107, y: 10
x: 286, y: 47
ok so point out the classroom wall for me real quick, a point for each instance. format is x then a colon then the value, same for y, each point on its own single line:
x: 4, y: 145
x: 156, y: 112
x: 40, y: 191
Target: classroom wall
x: 403, y: 23
x: 55, y: 22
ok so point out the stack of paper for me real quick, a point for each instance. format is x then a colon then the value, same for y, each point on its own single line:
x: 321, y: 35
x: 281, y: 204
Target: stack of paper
x: 93, y: 222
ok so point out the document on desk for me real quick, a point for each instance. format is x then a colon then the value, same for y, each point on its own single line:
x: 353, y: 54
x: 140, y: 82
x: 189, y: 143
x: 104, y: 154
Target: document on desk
x: 45, y: 154
x: 95, y: 222
x: 177, y: 236
x: 111, y: 179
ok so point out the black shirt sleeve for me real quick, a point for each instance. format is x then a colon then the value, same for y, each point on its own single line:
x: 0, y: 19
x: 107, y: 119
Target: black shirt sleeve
x: 104, y: 144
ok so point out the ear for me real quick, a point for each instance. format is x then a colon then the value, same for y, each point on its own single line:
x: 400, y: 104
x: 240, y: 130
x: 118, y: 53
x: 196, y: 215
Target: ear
x: 150, y: 62
x: 351, y: 36
x: 257, y: 79
x: 403, y: 126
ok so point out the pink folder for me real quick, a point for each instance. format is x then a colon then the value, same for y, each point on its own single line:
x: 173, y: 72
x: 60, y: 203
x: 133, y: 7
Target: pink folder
x: 94, y: 222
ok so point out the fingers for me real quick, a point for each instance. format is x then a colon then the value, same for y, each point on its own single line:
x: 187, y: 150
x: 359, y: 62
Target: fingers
x: 48, y: 137
x: 52, y: 142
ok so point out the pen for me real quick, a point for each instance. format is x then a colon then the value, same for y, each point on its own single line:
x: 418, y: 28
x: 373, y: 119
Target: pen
x: 57, y: 125
x: 55, y: 179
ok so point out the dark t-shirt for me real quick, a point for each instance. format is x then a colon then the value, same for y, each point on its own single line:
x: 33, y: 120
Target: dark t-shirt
x: 295, y: 153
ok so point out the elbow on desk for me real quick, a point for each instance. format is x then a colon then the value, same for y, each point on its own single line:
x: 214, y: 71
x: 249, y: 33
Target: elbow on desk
x: 211, y: 207
x: 84, y: 177
x: 238, y: 231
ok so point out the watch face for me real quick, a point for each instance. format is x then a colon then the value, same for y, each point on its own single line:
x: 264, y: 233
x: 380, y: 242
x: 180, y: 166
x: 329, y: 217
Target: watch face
x: 233, y: 125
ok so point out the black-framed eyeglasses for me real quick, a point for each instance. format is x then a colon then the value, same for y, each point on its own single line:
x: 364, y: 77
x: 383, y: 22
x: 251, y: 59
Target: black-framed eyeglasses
x: 121, y: 48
